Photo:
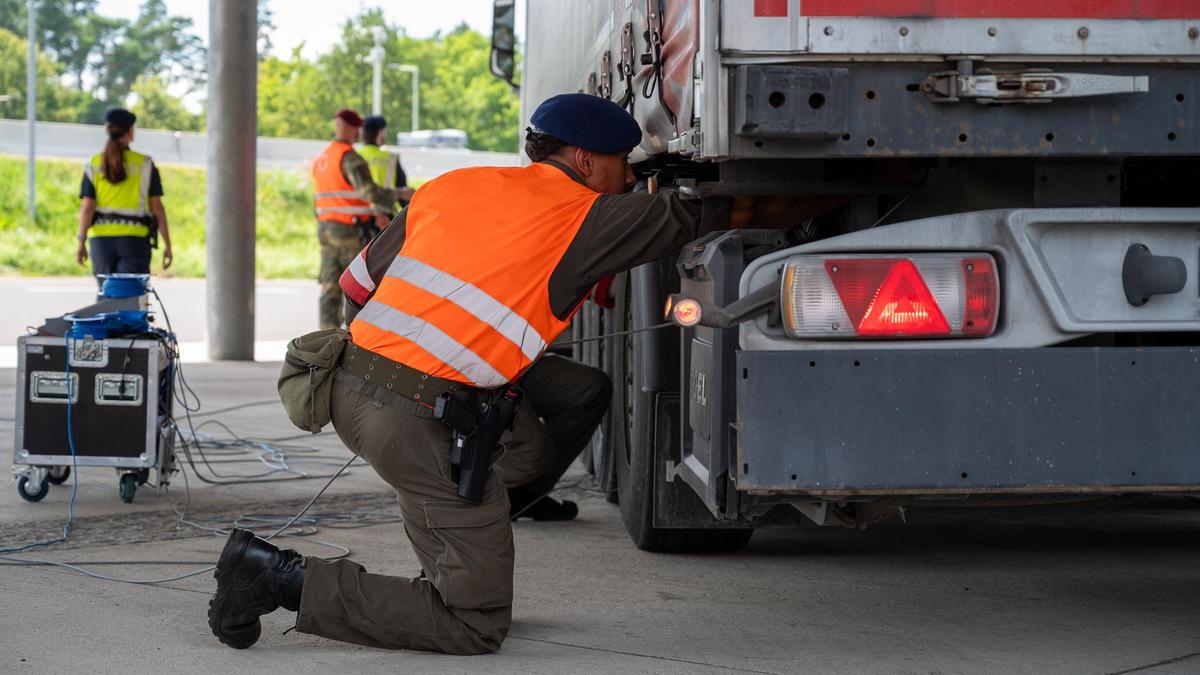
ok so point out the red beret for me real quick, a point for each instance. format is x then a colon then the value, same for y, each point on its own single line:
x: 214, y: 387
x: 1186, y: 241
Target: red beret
x: 349, y: 117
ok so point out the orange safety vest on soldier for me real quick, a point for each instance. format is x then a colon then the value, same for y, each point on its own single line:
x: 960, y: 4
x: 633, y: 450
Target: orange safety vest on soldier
x: 467, y: 298
x: 334, y: 196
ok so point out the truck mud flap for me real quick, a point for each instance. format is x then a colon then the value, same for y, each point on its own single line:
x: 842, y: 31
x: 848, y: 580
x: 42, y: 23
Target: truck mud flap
x: 676, y: 504
x: 1065, y: 420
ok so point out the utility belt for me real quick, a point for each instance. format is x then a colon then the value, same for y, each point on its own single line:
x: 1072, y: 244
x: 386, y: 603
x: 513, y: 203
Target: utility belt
x: 400, y: 379
x: 476, y: 417
x: 119, y: 225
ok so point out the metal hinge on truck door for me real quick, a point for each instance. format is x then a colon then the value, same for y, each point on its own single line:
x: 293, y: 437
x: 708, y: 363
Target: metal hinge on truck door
x: 625, y: 67
x: 606, y: 75
x: 1029, y: 86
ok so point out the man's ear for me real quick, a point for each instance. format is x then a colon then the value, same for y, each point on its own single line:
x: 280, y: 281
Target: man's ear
x: 583, y: 163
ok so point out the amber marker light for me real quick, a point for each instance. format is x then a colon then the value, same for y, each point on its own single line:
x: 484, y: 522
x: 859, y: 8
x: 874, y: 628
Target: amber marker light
x: 686, y: 312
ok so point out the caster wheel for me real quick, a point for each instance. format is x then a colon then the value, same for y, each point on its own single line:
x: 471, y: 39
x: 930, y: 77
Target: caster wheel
x: 59, y: 474
x: 31, y: 494
x: 128, y: 487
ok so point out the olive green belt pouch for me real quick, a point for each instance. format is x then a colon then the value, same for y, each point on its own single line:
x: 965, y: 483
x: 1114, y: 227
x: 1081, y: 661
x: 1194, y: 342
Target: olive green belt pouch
x: 306, y: 379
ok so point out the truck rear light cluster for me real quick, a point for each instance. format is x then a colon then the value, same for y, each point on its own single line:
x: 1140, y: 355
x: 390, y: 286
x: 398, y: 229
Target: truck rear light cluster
x: 891, y: 296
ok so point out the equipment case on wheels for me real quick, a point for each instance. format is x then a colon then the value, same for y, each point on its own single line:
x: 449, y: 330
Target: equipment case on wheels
x: 120, y: 392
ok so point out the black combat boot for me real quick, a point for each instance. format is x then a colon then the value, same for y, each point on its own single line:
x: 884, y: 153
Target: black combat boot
x: 254, y: 578
x: 525, y: 504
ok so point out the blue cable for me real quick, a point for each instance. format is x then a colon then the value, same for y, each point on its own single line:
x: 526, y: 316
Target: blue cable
x: 74, y: 471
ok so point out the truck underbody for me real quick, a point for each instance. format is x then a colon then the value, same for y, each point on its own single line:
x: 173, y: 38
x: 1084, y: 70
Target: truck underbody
x: 1057, y: 147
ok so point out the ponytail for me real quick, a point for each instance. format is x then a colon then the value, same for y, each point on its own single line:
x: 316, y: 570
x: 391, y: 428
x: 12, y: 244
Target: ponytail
x: 113, y: 164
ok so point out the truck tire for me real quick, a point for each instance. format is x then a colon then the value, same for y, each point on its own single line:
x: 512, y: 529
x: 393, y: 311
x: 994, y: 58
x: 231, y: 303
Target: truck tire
x: 632, y: 447
x: 634, y: 479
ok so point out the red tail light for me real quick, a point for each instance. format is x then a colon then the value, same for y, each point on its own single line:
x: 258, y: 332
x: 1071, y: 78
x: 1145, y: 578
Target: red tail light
x: 979, y: 317
x: 890, y: 296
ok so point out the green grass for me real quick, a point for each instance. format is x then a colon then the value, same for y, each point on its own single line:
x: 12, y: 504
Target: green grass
x: 286, y: 245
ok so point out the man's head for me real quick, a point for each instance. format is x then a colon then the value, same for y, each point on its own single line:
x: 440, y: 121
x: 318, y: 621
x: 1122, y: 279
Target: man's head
x: 374, y: 130
x: 591, y: 135
x: 346, y: 124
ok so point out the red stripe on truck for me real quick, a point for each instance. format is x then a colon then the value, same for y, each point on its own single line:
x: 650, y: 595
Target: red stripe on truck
x: 1002, y: 9
x: 770, y: 7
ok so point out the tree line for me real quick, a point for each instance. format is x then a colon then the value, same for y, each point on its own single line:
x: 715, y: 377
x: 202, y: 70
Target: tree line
x: 88, y: 63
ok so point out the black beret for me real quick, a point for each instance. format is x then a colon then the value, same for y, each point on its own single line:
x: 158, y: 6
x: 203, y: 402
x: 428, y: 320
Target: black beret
x: 119, y: 117
x: 372, y: 124
x: 587, y: 121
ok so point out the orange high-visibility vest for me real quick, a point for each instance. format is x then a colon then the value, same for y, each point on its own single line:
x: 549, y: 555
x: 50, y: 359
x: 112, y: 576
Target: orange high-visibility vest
x: 468, y: 296
x: 335, y: 198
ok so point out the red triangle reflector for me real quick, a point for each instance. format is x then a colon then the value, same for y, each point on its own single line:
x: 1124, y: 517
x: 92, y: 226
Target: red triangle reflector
x: 886, y: 297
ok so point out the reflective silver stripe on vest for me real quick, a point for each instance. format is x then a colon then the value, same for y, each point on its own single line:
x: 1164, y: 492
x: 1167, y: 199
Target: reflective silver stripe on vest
x: 358, y: 270
x: 349, y: 194
x: 144, y: 188
x: 354, y: 210
x: 473, y: 299
x: 433, y: 340
x: 130, y: 213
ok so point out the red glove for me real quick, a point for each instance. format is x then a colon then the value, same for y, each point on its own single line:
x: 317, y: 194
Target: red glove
x: 601, y: 292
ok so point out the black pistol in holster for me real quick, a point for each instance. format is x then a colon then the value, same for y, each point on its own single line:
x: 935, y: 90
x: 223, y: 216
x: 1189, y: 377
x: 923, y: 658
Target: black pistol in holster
x: 475, y: 430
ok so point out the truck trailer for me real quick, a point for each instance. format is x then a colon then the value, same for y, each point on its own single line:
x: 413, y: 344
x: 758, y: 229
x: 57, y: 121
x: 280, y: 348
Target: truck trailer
x: 992, y: 296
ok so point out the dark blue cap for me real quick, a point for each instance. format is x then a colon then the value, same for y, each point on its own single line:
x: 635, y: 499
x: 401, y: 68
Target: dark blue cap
x: 587, y: 121
x: 120, y: 117
x: 371, y: 126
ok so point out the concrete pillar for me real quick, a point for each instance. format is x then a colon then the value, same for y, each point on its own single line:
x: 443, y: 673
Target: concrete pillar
x: 232, y: 128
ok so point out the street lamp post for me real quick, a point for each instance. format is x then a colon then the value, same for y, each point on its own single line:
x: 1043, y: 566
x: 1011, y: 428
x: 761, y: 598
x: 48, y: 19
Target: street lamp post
x: 31, y: 105
x: 375, y: 57
x: 416, y: 91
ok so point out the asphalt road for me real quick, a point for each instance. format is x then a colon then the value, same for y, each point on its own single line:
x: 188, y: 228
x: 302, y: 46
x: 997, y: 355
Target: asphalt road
x: 81, y: 141
x: 1091, y: 588
x: 284, y: 309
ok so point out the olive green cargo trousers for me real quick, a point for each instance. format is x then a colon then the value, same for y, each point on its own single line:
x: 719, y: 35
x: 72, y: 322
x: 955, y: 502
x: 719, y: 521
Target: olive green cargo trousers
x: 463, y: 602
x: 564, y: 402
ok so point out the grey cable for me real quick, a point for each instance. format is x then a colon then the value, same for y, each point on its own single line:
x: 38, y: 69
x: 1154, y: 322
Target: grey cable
x: 657, y: 326
x: 900, y: 203
x: 9, y: 560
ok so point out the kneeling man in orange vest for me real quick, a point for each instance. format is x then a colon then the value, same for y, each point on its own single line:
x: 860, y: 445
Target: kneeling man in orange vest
x: 461, y: 296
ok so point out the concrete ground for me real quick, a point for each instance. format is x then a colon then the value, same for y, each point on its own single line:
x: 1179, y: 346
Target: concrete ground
x: 1073, y: 589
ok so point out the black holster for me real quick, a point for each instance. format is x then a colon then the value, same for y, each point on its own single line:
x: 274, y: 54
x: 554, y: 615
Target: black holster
x: 476, y: 427
x: 152, y: 234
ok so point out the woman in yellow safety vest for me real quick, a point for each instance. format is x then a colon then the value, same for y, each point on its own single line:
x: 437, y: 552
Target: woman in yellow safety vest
x: 121, y: 210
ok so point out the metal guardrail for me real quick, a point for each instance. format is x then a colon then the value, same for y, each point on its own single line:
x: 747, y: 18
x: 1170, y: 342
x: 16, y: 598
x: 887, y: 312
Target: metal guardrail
x: 81, y: 141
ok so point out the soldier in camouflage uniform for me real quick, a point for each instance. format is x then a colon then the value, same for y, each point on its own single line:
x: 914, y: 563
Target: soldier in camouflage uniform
x: 339, y: 245
x: 347, y: 200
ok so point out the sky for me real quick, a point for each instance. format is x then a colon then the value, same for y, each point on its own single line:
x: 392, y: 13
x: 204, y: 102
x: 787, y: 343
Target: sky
x: 317, y: 23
